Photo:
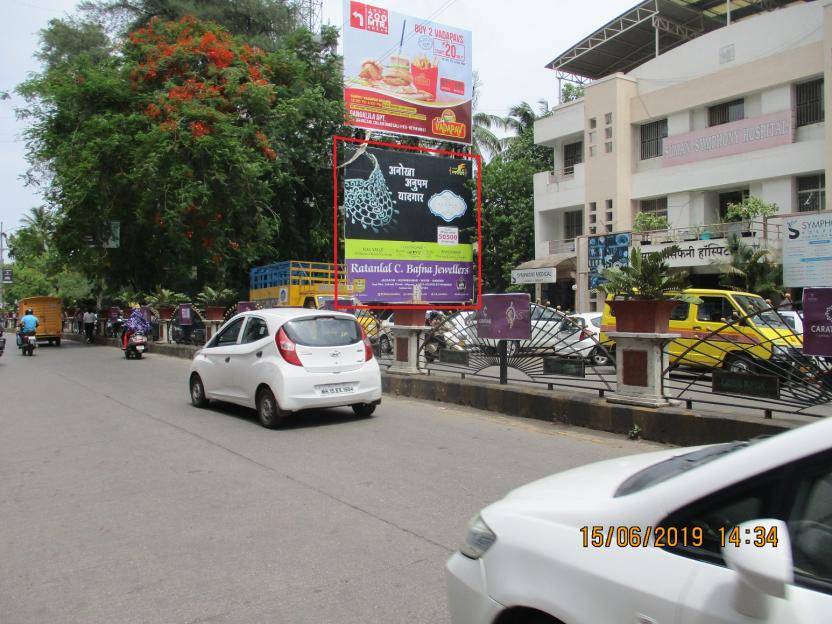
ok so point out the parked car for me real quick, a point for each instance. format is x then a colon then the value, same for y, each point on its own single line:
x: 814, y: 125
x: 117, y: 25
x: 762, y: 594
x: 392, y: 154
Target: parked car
x: 729, y: 533
x: 578, y: 337
x: 757, y: 339
x: 283, y: 360
x: 793, y: 319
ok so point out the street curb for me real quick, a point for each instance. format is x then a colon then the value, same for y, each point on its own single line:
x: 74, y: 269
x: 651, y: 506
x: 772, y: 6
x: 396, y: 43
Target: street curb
x: 669, y: 425
x: 174, y: 350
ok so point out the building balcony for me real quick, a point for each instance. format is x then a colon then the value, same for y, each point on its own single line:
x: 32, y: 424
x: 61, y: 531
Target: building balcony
x: 562, y: 188
x: 550, y: 248
x: 566, y: 119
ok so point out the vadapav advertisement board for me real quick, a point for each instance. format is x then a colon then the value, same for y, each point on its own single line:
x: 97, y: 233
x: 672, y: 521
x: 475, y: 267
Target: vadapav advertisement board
x: 409, y: 226
x: 406, y: 75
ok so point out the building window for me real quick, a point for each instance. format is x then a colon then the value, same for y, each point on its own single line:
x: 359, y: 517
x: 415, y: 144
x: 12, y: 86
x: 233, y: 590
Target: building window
x: 592, y: 229
x: 573, y: 154
x: 656, y: 206
x: 609, y: 216
x: 726, y: 112
x: 592, y: 218
x: 591, y: 151
x: 809, y: 100
x: 608, y: 227
x: 592, y: 206
x: 609, y: 204
x: 730, y: 197
x: 651, y: 138
x: 608, y: 118
x: 590, y: 137
x: 608, y: 133
x: 608, y: 147
x: 573, y: 224
x: 811, y: 192
x: 592, y: 122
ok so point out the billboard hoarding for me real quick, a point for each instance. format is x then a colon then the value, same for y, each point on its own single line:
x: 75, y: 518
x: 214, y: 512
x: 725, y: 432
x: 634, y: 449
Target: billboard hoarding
x: 607, y: 251
x: 409, y: 227
x: 186, y: 316
x: 817, y: 321
x: 505, y: 317
x: 405, y: 75
x: 807, y: 251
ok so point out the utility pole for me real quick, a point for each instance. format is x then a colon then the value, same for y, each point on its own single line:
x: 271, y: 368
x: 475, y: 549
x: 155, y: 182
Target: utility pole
x: 2, y: 275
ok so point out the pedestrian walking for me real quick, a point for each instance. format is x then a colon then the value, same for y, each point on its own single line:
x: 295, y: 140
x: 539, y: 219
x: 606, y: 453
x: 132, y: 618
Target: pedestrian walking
x: 89, y: 325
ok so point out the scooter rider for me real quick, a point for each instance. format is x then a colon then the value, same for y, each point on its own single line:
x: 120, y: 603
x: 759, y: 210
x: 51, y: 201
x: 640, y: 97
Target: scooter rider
x: 135, y: 324
x: 28, y: 326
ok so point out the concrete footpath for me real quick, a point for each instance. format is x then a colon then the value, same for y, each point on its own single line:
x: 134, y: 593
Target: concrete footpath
x: 670, y: 425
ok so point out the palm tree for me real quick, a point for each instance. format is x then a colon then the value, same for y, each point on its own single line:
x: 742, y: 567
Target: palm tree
x: 751, y: 270
x: 40, y: 222
x: 483, y: 139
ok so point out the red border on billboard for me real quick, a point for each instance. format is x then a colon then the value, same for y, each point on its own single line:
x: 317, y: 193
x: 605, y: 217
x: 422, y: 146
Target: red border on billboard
x: 393, y: 306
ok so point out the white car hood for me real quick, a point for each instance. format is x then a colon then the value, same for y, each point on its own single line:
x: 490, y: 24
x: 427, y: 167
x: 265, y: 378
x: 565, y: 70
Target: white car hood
x: 588, y: 484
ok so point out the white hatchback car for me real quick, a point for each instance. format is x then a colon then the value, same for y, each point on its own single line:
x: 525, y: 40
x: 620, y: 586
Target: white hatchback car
x: 722, y: 534
x: 282, y: 360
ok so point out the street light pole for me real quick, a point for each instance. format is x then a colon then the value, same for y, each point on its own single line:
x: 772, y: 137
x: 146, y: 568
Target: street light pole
x: 2, y: 275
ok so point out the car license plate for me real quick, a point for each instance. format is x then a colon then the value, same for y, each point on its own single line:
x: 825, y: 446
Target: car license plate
x: 335, y: 389
x: 140, y: 348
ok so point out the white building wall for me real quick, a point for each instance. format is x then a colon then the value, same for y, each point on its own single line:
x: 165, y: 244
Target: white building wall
x: 754, y: 38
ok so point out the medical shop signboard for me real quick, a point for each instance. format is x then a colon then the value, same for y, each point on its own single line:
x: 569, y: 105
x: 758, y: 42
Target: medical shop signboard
x: 406, y: 75
x: 409, y: 224
x: 807, y: 251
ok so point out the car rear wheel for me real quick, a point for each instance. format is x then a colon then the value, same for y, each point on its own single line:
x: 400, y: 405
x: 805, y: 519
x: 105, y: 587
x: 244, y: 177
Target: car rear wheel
x: 364, y: 410
x: 600, y: 357
x: 384, y: 345
x: 268, y: 411
x: 197, y: 392
x: 739, y: 364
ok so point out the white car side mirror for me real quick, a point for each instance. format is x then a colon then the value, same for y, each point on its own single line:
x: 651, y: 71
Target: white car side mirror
x: 762, y: 570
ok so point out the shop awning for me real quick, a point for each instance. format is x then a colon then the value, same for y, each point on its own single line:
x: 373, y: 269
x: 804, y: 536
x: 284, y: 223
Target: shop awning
x: 561, y: 261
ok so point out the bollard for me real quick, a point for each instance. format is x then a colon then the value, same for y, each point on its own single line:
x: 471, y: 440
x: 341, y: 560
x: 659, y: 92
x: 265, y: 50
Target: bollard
x: 503, y: 349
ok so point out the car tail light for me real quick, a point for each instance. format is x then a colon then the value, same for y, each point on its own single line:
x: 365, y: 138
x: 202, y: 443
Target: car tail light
x: 287, y: 348
x: 584, y: 334
x: 368, y: 346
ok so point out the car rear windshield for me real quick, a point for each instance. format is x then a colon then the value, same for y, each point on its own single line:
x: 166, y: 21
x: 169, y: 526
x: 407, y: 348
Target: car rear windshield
x: 675, y: 466
x: 323, y: 331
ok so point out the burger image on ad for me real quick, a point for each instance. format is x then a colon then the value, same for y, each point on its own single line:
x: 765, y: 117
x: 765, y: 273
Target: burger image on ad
x: 397, y: 73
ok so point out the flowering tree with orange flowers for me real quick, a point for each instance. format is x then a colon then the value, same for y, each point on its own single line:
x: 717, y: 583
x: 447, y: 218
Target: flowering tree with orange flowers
x: 211, y: 153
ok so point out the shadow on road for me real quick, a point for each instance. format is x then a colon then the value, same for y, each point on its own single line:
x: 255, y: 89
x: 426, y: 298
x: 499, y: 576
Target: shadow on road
x: 299, y: 420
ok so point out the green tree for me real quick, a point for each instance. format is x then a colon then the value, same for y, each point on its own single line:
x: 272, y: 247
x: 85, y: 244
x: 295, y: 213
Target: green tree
x: 263, y: 23
x: 571, y: 92
x: 751, y: 269
x: 508, y: 198
x: 64, y: 41
x: 212, y: 154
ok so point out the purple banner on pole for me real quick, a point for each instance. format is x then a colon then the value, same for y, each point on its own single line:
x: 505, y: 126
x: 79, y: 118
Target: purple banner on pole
x: 505, y: 317
x: 408, y: 281
x: 147, y: 313
x: 246, y: 306
x: 186, y: 316
x: 817, y: 321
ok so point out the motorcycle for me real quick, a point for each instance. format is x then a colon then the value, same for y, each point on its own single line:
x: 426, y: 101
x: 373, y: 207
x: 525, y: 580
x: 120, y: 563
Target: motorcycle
x: 136, y: 346
x: 435, y: 340
x: 28, y: 344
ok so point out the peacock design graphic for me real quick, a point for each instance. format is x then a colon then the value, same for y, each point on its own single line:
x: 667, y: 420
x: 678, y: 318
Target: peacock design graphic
x: 370, y: 202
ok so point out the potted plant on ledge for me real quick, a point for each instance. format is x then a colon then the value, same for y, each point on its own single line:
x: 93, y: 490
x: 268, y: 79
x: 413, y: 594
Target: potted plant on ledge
x: 164, y: 301
x: 215, y: 302
x: 747, y: 210
x: 647, y: 222
x: 645, y: 292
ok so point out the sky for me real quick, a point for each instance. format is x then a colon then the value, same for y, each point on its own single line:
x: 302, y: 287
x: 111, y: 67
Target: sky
x: 512, y: 42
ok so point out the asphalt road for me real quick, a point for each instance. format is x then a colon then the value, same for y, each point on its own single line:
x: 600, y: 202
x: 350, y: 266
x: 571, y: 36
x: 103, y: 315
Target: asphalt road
x: 122, y: 503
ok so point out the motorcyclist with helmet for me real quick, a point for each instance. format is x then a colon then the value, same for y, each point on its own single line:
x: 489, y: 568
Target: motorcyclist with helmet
x: 28, y: 326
